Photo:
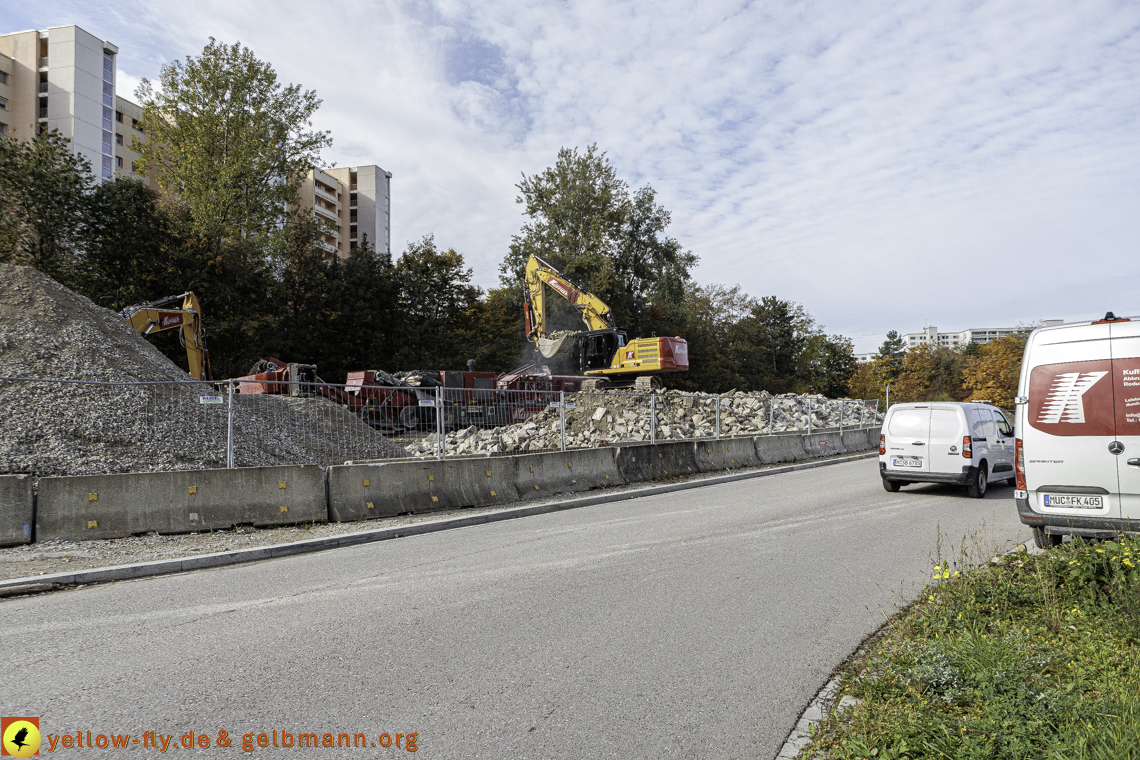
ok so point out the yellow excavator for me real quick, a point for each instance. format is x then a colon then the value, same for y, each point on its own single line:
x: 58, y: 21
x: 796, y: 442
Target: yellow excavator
x: 151, y: 317
x: 607, y: 356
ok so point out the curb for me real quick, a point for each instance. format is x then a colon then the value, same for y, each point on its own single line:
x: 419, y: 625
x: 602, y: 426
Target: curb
x: 38, y: 583
x: 799, y: 738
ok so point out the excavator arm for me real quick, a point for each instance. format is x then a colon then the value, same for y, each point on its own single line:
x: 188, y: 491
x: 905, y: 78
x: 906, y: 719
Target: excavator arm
x: 593, y: 310
x: 150, y: 317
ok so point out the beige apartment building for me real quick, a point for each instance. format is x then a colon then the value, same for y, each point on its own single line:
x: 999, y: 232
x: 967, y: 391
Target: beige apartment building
x: 351, y: 202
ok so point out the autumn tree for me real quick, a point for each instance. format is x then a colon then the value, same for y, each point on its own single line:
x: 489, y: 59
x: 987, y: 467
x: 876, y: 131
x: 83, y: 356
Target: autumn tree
x: 993, y: 374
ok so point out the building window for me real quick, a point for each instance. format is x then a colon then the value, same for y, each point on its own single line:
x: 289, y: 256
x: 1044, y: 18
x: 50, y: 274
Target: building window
x: 107, y: 143
x: 108, y: 94
x: 106, y: 167
x: 3, y: 104
x: 135, y: 125
x: 118, y: 139
x: 3, y: 77
x: 108, y: 115
x: 119, y: 161
x: 119, y: 116
x: 134, y: 169
x: 108, y: 67
x: 3, y: 129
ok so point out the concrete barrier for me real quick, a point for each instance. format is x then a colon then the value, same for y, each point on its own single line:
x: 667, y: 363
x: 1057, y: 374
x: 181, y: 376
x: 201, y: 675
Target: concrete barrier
x: 112, y: 506
x: 774, y: 449
x: 385, y: 489
x: 16, y: 516
x: 726, y: 454
x: 823, y: 444
x: 538, y: 475
x: 648, y: 461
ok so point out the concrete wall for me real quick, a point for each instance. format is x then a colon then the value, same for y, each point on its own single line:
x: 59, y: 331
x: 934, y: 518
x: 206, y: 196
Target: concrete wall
x: 113, y: 506
x: 539, y: 475
x: 649, y: 461
x: 401, y: 487
x: 15, y: 509
x: 726, y: 454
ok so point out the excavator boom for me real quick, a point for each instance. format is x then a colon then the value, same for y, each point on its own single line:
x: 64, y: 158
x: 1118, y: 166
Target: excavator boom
x: 593, y: 310
x: 151, y: 316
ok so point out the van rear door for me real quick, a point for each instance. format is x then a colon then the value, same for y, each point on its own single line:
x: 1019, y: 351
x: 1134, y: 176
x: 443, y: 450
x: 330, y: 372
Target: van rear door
x: 1126, y: 393
x: 947, y: 428
x: 907, y: 436
x: 1071, y: 423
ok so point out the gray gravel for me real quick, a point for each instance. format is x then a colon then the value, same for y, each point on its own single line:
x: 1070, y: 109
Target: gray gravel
x: 48, y: 331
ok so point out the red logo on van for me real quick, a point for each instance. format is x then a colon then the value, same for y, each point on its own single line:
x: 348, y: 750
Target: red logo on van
x: 1100, y: 397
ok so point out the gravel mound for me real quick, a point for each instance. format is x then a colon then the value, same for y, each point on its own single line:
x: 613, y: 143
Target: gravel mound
x: 601, y: 419
x: 48, y: 331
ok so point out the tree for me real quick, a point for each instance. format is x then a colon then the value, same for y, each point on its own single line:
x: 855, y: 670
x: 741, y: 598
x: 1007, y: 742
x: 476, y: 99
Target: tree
x: 994, y: 373
x: 436, y: 296
x: 43, y: 194
x: 226, y: 139
x: 585, y: 222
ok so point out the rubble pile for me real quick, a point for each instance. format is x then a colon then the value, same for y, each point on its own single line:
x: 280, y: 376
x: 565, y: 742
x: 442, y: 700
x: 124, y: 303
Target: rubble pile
x: 48, y: 331
x: 602, y: 419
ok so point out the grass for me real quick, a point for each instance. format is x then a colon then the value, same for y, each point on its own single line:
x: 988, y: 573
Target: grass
x: 1025, y: 656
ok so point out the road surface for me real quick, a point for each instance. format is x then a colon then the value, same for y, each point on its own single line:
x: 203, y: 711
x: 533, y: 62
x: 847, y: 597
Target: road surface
x: 688, y: 625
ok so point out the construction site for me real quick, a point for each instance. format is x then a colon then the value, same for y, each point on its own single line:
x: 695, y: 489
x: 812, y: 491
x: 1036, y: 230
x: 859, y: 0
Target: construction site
x: 86, y: 393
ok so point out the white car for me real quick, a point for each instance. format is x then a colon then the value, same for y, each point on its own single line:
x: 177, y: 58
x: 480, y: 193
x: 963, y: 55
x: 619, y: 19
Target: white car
x: 946, y: 442
x: 1078, y: 422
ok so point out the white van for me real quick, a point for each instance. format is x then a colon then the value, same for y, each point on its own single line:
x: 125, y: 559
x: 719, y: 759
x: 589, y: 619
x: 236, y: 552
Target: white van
x: 1078, y: 423
x: 946, y: 442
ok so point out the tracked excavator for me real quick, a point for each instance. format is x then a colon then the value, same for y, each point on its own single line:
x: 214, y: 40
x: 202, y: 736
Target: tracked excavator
x: 608, y: 358
x: 155, y: 316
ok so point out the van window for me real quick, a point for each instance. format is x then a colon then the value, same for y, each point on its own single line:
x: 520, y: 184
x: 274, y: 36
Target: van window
x: 985, y: 426
x: 909, y: 423
x: 945, y: 425
x: 1003, y: 425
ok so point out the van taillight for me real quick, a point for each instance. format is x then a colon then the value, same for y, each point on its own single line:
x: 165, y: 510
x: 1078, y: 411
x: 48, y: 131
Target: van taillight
x: 882, y: 444
x: 967, y: 450
x: 1019, y: 464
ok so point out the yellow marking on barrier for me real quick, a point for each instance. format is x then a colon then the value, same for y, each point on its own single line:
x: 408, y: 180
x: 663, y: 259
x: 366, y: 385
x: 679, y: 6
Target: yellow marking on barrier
x: 431, y: 478
x: 708, y: 451
x: 192, y: 489
x: 284, y: 510
x: 434, y: 499
x: 532, y: 469
x: 92, y: 524
x: 93, y: 497
x: 366, y: 482
x: 607, y: 477
x: 536, y: 488
x: 493, y: 493
x: 488, y: 473
x: 370, y: 506
x: 570, y: 465
x: 281, y: 484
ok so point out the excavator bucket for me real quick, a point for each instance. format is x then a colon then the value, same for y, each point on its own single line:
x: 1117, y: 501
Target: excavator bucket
x: 559, y: 344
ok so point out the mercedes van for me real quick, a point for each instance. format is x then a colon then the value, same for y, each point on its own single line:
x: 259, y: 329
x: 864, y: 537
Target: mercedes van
x: 946, y: 442
x: 1078, y: 424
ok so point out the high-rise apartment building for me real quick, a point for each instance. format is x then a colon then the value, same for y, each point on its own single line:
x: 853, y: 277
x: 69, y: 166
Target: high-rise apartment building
x: 63, y: 78
x: 352, y: 202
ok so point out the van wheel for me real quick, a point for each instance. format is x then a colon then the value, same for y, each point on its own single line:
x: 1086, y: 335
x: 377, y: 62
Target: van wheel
x: 1045, y: 540
x: 891, y: 485
x: 977, y: 489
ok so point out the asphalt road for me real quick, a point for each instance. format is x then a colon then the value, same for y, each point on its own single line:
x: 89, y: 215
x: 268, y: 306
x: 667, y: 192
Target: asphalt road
x: 689, y: 625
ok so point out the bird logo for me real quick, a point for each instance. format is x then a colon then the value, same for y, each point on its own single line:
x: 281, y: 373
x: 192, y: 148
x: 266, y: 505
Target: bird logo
x: 21, y: 737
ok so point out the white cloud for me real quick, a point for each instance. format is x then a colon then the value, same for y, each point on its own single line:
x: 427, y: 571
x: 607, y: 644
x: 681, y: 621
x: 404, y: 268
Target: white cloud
x: 962, y: 164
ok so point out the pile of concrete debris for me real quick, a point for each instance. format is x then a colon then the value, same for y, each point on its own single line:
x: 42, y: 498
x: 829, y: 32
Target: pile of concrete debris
x: 603, y: 419
x: 48, y: 331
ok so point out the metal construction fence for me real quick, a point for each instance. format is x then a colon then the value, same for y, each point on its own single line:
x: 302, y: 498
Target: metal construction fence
x: 79, y: 427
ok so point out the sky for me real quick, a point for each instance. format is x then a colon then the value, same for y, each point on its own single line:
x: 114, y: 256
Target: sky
x: 888, y: 165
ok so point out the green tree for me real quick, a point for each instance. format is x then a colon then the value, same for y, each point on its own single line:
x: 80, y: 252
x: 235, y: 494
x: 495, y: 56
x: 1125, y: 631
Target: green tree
x: 43, y: 198
x: 228, y: 141
x: 436, y: 295
x: 585, y: 222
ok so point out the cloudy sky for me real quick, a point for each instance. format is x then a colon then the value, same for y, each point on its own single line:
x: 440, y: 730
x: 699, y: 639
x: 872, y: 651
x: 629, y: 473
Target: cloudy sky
x: 887, y: 165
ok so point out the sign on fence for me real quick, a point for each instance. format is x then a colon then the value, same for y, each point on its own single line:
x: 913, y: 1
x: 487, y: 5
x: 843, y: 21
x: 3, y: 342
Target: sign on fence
x: 210, y: 400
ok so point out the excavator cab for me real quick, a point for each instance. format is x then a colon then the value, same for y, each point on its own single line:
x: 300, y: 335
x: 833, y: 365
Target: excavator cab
x: 599, y: 347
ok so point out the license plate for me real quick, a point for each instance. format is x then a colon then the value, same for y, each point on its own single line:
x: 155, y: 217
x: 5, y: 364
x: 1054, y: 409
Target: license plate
x: 1074, y: 502
x: 907, y: 461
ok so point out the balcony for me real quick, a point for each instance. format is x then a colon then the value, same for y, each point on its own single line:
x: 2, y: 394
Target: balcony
x: 43, y: 88
x: 327, y: 248
x: 43, y: 114
x: 330, y: 197
x: 43, y: 63
x: 331, y: 216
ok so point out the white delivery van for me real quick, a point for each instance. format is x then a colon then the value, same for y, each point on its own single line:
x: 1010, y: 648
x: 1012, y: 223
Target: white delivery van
x: 1078, y: 426
x: 946, y: 442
